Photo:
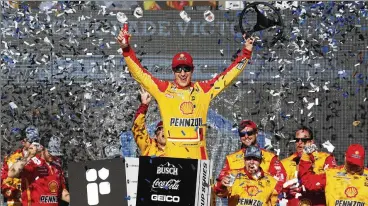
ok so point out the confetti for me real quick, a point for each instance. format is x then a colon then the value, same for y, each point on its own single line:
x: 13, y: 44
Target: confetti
x: 138, y: 12
x: 184, y: 16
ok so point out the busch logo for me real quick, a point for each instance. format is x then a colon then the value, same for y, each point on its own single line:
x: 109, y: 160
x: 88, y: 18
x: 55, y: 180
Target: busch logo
x: 165, y: 198
x: 171, y: 184
x: 167, y: 169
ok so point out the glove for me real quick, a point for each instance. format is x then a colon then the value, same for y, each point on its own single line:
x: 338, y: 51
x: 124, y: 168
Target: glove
x: 292, y: 188
x: 309, y: 149
x: 328, y: 146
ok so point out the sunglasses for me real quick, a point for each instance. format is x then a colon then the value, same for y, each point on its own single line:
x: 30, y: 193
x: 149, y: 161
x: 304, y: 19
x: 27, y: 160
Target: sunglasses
x: 249, y: 133
x: 182, y: 68
x: 304, y: 140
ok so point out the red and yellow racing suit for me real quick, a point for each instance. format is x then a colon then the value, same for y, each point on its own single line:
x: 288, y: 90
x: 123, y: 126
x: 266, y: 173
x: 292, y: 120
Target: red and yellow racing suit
x: 184, y: 110
x: 321, y: 161
x: 147, y: 146
x: 270, y: 164
x: 249, y: 191
x: 11, y: 187
x: 341, y: 188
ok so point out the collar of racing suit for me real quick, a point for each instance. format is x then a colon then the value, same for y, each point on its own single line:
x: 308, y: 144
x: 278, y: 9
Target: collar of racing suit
x: 191, y: 84
x: 296, y: 157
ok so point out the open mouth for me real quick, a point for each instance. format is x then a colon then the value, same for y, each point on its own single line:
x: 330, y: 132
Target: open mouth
x: 248, y: 140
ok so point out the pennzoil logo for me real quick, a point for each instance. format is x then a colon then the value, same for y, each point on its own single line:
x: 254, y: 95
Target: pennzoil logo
x: 305, y: 202
x: 351, y: 192
x: 186, y: 122
x: 53, y: 186
x: 186, y: 108
x: 252, y: 190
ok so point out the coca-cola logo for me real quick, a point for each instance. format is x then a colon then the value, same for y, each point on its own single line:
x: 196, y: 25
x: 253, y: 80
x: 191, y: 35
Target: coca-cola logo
x: 167, y: 169
x: 171, y: 184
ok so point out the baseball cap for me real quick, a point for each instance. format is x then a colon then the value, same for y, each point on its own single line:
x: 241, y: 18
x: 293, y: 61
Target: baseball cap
x: 253, y: 151
x: 182, y: 58
x: 32, y: 134
x: 355, y: 154
x: 54, y: 146
x: 247, y: 123
x: 159, y: 124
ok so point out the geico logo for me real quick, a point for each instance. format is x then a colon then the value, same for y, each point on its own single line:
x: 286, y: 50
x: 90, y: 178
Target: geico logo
x: 165, y: 198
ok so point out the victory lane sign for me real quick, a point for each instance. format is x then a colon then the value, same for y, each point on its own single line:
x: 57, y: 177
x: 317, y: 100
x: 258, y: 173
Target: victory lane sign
x: 173, y: 181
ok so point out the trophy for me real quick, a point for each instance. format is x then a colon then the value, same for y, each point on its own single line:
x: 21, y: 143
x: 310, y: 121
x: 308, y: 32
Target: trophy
x: 267, y: 17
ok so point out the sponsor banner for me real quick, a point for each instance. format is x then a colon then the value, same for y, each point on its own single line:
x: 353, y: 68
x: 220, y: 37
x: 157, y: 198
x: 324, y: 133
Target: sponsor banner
x: 131, y: 169
x: 203, y: 189
x: 173, y: 181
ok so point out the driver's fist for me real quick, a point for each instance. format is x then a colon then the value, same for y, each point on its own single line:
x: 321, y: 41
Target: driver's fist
x: 124, y: 37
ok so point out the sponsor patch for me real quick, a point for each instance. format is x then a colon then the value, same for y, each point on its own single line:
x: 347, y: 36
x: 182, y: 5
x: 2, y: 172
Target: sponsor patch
x: 48, y: 199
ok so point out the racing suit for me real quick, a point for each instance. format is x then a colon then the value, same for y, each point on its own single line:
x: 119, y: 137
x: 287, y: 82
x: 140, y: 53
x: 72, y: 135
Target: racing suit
x: 270, y: 163
x: 184, y: 110
x: 340, y: 187
x: 11, y: 187
x: 42, y: 183
x: 147, y: 146
x: 322, y: 161
x: 249, y: 191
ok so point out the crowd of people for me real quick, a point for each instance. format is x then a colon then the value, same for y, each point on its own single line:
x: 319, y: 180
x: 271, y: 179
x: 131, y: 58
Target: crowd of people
x: 251, y: 175
x: 33, y: 175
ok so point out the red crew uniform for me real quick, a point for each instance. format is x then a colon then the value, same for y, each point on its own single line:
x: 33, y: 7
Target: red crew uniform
x: 341, y: 188
x: 321, y: 161
x: 42, y: 183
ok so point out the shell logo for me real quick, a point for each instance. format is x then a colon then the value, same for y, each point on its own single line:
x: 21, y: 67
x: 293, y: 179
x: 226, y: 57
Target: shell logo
x: 351, y: 192
x: 182, y: 57
x: 53, y: 186
x: 187, y: 107
x: 252, y: 190
x: 305, y: 202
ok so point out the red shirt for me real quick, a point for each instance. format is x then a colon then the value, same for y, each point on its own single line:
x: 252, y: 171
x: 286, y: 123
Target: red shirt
x: 42, y: 183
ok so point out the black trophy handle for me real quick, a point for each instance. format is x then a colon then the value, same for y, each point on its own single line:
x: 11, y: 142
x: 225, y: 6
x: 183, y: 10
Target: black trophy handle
x: 262, y: 21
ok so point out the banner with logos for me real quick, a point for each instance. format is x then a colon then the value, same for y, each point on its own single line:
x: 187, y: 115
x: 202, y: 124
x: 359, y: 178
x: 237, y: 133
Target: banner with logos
x: 173, y: 181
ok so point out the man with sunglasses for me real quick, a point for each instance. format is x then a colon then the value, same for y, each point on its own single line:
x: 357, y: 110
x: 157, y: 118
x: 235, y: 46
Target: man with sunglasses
x: 146, y: 145
x: 11, y: 187
x: 270, y: 163
x: 250, y: 185
x: 347, y: 184
x: 184, y: 104
x: 292, y: 188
